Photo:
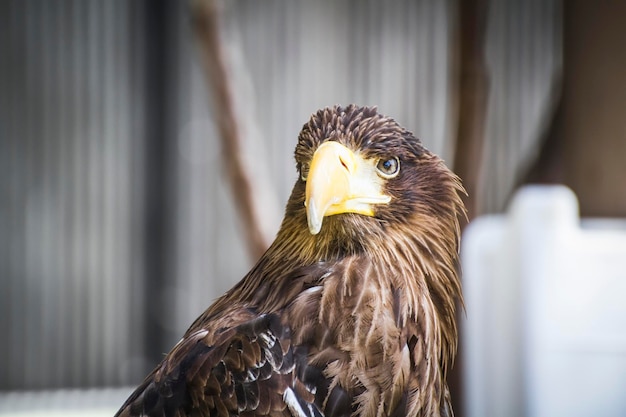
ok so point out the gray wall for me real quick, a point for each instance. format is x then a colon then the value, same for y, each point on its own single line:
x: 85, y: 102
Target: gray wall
x: 116, y: 224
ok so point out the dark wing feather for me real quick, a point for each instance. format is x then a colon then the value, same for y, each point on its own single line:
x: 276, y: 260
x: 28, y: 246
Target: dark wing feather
x: 246, y: 372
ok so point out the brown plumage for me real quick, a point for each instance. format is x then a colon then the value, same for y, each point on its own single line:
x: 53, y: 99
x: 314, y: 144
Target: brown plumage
x: 351, y: 311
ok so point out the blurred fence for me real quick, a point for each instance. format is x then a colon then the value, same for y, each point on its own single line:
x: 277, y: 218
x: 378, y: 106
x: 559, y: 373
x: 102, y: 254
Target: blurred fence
x: 72, y: 152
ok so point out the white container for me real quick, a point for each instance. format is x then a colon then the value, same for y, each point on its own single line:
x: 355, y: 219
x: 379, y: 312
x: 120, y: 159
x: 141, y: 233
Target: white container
x: 545, y: 328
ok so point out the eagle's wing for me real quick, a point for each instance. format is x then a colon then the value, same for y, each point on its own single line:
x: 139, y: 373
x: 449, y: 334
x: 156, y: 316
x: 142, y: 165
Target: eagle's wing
x: 251, y: 369
x: 248, y: 363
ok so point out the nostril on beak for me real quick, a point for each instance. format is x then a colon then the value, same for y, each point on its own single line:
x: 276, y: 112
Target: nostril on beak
x: 343, y: 163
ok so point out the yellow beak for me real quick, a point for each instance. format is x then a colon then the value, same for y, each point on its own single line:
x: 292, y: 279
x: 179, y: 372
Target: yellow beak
x: 340, y: 181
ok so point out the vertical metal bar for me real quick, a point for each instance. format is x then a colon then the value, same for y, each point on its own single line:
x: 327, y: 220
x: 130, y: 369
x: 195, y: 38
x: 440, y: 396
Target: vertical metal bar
x: 158, y: 83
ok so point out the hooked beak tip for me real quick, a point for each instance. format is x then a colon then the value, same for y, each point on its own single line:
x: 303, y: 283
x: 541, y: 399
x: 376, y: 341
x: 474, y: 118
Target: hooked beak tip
x: 313, y: 218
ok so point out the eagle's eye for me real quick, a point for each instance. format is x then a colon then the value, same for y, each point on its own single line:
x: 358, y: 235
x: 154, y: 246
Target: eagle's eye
x: 304, y: 171
x: 388, y: 168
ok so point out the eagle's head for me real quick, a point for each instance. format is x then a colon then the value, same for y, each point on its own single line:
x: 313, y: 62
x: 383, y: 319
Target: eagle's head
x: 368, y: 189
x: 365, y: 181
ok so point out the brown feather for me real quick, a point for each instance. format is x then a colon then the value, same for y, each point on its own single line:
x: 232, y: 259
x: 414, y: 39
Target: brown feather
x: 356, y: 320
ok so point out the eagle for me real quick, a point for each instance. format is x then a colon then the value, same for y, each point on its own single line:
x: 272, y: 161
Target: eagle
x: 351, y: 311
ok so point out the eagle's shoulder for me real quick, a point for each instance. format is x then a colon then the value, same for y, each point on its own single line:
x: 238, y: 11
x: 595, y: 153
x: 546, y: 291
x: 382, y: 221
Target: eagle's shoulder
x: 242, y: 360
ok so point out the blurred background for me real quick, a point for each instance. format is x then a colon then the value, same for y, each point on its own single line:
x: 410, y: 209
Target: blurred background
x: 120, y: 122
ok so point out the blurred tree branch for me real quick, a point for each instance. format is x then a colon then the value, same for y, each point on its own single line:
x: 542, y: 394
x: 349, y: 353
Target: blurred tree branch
x: 206, y: 26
